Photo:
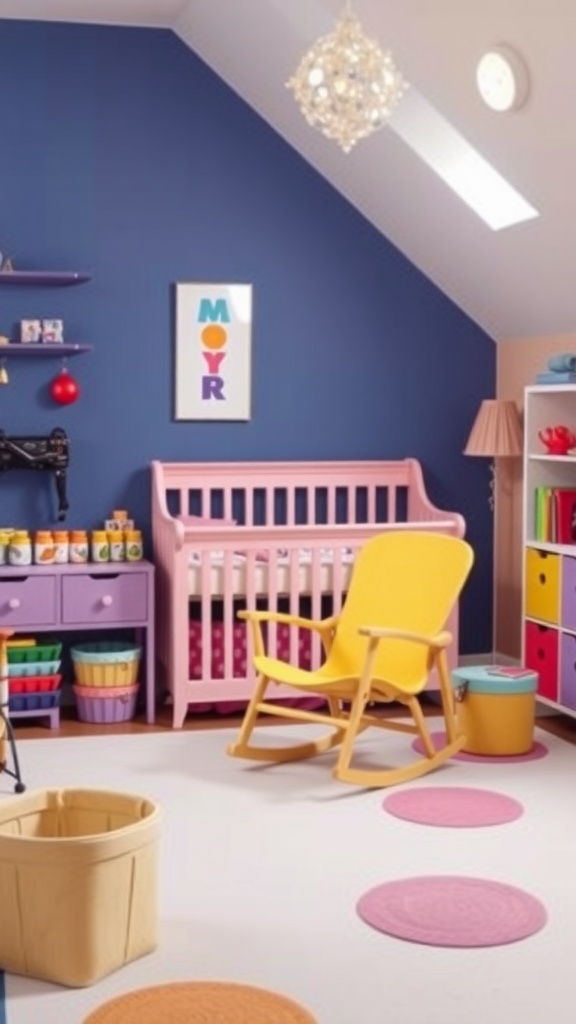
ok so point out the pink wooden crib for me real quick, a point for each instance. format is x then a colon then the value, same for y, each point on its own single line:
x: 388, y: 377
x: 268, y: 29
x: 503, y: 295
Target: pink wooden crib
x: 279, y: 535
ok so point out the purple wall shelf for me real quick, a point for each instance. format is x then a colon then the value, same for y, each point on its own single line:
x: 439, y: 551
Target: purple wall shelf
x: 42, y: 277
x: 54, y: 350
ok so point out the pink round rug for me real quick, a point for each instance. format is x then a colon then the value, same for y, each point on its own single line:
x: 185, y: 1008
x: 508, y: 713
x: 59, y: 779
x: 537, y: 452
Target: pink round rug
x: 439, y: 739
x: 453, y: 806
x: 451, y: 910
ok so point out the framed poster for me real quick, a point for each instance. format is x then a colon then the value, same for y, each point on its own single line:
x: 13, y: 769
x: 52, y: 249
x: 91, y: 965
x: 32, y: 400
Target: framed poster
x: 213, y: 351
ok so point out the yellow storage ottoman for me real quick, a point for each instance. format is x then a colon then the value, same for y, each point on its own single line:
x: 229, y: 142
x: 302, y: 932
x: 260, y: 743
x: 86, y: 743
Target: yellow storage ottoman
x: 496, y: 712
x: 78, y: 883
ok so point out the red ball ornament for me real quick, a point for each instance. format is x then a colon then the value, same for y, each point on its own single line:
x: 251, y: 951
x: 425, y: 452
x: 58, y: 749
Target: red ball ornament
x: 64, y: 389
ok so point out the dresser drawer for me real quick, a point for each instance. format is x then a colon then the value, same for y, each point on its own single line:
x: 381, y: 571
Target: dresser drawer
x: 104, y: 598
x: 28, y: 601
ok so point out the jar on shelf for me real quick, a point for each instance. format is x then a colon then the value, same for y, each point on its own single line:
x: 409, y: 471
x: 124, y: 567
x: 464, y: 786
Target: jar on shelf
x: 20, y: 548
x: 100, y: 548
x: 78, y: 550
x: 117, y: 546
x: 4, y: 545
x: 61, y: 546
x: 133, y: 543
x: 43, y: 547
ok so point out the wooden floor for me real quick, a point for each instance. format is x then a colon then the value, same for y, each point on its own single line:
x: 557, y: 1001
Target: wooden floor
x: 561, y: 725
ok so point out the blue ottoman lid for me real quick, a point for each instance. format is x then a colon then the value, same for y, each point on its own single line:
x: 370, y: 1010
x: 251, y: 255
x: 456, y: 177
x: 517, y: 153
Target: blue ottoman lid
x: 487, y: 679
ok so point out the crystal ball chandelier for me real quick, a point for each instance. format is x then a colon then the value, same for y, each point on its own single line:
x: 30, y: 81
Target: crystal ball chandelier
x: 346, y: 86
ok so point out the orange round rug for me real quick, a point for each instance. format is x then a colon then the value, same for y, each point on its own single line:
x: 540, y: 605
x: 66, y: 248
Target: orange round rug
x: 200, y: 1002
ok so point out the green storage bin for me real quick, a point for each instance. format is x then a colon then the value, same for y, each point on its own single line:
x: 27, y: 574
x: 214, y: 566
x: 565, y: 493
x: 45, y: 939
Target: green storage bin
x: 39, y: 652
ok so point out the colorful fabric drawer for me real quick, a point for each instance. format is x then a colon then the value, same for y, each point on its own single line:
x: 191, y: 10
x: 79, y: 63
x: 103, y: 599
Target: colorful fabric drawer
x: 541, y: 646
x: 568, y: 609
x: 542, y: 585
x: 568, y: 670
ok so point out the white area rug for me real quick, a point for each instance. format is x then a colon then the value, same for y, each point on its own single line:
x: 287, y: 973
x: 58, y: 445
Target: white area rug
x: 262, y: 866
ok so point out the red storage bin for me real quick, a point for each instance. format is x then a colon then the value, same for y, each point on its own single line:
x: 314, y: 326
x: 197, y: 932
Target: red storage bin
x: 33, y: 684
x: 541, y: 646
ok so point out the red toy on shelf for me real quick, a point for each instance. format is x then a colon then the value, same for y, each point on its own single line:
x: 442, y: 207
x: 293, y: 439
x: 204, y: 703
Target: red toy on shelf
x: 558, y: 440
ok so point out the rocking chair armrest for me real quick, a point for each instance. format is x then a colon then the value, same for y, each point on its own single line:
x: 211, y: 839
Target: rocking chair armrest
x: 440, y: 640
x: 291, y: 620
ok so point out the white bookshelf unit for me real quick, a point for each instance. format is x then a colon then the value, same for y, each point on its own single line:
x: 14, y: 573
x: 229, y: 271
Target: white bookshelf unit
x: 549, y: 568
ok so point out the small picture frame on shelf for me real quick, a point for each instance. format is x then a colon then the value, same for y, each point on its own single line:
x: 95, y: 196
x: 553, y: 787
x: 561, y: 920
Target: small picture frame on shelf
x: 30, y: 331
x: 53, y: 331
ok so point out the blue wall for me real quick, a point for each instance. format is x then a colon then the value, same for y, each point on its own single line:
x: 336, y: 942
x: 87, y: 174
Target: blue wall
x: 123, y: 155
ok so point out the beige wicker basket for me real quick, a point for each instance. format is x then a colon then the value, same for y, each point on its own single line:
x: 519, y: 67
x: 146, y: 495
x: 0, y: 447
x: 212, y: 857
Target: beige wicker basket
x: 78, y: 883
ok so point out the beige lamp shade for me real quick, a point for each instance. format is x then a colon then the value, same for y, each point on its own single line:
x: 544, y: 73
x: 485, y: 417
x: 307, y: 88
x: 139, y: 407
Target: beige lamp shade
x: 497, y: 430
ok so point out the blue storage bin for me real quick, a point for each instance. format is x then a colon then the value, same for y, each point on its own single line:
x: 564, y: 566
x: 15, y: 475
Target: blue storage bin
x: 33, y: 668
x: 34, y: 701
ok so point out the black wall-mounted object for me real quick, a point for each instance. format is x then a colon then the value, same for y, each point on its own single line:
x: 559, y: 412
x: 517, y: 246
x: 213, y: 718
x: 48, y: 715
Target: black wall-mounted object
x: 50, y: 452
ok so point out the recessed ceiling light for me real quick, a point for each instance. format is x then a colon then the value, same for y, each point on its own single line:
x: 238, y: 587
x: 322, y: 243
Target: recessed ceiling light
x: 502, y: 79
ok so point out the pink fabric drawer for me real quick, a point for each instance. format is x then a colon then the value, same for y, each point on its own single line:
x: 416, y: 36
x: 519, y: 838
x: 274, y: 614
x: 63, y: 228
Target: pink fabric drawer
x: 541, y: 655
x: 28, y: 601
x: 110, y: 598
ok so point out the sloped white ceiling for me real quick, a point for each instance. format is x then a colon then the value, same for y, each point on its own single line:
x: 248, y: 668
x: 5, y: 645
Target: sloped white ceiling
x: 517, y: 282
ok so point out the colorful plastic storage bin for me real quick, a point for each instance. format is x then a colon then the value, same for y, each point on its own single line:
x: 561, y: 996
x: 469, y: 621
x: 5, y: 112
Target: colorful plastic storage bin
x: 106, y: 705
x: 78, y: 877
x: 106, y: 663
x: 34, y: 701
x: 33, y: 684
x: 33, y: 668
x: 33, y: 652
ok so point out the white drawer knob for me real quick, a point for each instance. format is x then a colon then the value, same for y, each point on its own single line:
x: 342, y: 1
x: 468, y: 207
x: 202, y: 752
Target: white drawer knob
x: 14, y: 602
x: 106, y: 600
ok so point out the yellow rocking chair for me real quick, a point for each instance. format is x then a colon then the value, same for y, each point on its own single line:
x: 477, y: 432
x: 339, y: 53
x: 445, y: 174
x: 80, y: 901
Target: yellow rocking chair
x: 381, y: 648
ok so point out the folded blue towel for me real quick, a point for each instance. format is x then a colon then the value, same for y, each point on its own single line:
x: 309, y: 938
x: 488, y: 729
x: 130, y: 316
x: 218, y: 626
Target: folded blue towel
x: 565, y: 363
x: 555, y: 378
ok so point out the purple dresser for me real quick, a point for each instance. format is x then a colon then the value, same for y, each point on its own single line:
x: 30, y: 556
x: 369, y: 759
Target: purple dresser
x: 42, y: 598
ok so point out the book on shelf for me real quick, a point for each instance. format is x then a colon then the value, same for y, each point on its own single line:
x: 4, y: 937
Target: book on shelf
x: 555, y: 515
x: 510, y: 671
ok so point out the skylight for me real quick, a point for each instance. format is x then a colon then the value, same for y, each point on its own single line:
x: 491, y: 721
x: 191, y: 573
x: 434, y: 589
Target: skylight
x: 467, y: 173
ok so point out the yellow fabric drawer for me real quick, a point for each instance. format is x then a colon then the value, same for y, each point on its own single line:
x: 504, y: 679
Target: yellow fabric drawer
x: 542, y: 585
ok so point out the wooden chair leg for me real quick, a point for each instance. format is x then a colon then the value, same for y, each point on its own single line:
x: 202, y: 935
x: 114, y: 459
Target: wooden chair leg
x: 342, y: 769
x: 447, y: 695
x: 250, y: 716
x: 420, y: 722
